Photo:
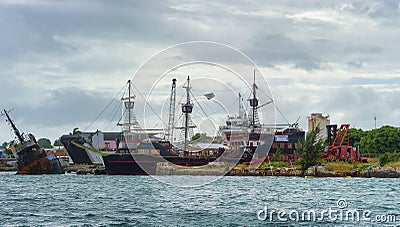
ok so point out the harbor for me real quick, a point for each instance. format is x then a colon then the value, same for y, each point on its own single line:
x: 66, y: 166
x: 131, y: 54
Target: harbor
x: 244, y: 146
x: 199, y: 113
x: 317, y: 171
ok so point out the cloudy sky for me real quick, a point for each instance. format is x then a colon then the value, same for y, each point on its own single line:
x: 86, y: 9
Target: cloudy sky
x: 61, y: 62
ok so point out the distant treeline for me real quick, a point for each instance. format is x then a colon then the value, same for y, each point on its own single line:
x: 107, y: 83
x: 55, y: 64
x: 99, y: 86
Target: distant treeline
x: 43, y: 143
x: 376, y: 141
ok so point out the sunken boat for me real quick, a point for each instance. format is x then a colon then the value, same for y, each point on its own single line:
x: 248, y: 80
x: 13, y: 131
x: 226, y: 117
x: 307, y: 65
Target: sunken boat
x: 31, y: 158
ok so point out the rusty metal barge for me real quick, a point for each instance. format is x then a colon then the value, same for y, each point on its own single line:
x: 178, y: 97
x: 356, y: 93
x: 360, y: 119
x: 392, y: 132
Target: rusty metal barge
x: 31, y: 158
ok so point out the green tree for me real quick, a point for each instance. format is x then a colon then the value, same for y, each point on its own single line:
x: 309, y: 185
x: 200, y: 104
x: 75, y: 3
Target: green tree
x: 200, y: 136
x: 355, y: 136
x: 277, y: 156
x: 44, y: 143
x: 381, y: 140
x: 310, y: 150
x: 196, y: 136
x: 57, y: 143
x: 6, y: 147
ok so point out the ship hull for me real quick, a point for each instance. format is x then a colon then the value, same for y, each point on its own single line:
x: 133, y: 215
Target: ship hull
x: 42, y: 166
x: 125, y: 164
x: 31, y: 159
x: 77, y: 154
x: 142, y: 164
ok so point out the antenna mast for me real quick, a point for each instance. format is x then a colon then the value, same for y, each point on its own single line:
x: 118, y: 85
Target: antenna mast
x: 171, y: 117
x: 16, y: 131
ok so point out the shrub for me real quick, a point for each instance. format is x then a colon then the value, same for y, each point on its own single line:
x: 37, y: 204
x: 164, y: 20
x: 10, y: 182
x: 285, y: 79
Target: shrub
x: 363, y: 167
x: 273, y: 164
x: 388, y: 157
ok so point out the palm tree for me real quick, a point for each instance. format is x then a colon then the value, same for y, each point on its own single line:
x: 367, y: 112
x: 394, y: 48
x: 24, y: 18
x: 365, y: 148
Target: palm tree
x: 76, y: 131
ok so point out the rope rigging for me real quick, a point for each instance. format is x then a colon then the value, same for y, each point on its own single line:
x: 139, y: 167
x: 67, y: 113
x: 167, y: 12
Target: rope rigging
x: 151, y: 108
x: 108, y: 105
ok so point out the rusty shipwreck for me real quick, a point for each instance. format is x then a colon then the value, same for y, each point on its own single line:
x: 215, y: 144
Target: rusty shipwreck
x: 31, y: 158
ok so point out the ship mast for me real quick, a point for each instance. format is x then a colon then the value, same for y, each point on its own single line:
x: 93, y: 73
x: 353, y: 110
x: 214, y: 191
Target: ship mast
x: 129, y: 101
x: 187, y: 108
x: 171, y: 117
x: 240, y: 106
x: 254, y: 102
x: 242, y: 112
x: 129, y: 118
x: 16, y: 131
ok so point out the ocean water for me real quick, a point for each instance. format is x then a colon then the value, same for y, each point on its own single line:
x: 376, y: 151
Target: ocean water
x: 90, y: 200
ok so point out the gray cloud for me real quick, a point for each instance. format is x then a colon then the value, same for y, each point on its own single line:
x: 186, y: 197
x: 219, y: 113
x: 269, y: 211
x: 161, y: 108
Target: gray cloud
x: 61, y: 62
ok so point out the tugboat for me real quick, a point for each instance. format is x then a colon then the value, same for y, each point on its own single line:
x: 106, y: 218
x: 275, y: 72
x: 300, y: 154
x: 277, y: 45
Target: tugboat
x: 31, y: 158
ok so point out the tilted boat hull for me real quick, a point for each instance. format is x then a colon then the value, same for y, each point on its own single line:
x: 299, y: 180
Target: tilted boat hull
x: 77, y: 154
x: 42, y: 166
x: 31, y: 159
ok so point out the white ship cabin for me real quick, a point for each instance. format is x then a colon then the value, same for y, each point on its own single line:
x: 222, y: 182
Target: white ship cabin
x: 237, y: 121
x: 129, y: 140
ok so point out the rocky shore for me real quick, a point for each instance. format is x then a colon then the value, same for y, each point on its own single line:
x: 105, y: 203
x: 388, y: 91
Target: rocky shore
x: 219, y: 169
x: 85, y: 169
x: 8, y: 168
x: 320, y: 171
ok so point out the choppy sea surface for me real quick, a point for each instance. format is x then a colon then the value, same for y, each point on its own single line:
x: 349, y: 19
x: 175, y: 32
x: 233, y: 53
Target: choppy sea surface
x: 90, y: 200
